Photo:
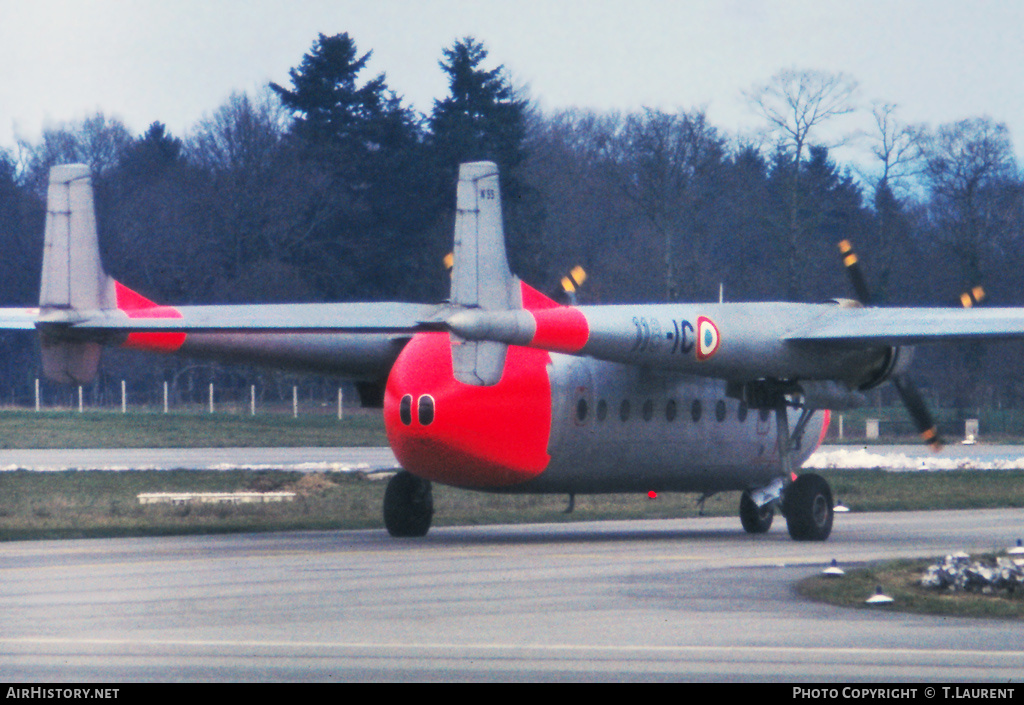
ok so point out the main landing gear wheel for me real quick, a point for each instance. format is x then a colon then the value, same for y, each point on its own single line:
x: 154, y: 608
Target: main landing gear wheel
x: 755, y: 519
x: 807, y: 506
x: 408, y: 505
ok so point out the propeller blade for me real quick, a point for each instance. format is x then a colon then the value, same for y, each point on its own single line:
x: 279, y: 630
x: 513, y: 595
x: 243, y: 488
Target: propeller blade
x: 911, y: 398
x: 570, y: 284
x: 973, y: 297
x: 918, y: 411
x: 852, y: 265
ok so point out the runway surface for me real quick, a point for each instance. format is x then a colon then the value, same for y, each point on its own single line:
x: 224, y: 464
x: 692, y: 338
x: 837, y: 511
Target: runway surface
x: 693, y: 599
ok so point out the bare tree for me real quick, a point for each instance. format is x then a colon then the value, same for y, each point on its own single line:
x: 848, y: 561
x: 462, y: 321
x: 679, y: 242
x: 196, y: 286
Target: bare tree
x: 899, y: 149
x: 796, y: 103
x: 97, y: 140
x: 897, y: 146
x: 975, y: 187
x: 974, y: 213
x: 244, y: 133
x: 664, y: 157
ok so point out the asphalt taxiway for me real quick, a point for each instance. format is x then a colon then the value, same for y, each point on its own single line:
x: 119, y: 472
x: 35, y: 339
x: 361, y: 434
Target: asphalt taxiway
x: 689, y: 599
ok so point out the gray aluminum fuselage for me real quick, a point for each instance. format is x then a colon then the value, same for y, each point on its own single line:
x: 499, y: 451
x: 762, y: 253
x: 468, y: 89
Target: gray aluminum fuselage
x: 622, y: 428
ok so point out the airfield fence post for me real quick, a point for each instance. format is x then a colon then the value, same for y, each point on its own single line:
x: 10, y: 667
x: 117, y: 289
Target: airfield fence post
x: 295, y: 401
x: 871, y: 429
x: 840, y: 427
x: 165, y: 397
x: 37, y: 394
x: 124, y: 398
x: 211, y: 397
x: 81, y: 406
x: 340, y: 399
x: 252, y: 400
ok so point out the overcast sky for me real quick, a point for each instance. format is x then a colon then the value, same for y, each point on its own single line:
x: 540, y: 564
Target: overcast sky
x: 175, y: 60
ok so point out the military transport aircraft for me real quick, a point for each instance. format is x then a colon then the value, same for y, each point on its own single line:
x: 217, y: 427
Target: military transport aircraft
x: 503, y: 389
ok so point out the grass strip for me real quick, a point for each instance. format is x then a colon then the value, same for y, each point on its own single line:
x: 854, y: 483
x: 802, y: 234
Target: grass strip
x: 71, y: 504
x: 104, y: 429
x: 900, y: 580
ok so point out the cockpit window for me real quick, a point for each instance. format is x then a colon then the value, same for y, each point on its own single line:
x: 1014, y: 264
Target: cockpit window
x: 405, y: 409
x: 426, y: 410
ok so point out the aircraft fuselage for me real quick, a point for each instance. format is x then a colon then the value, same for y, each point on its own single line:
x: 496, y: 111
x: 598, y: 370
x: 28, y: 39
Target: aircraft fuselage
x: 565, y: 424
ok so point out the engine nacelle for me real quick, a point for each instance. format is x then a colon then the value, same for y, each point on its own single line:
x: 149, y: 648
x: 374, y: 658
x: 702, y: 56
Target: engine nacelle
x: 895, y: 362
x: 824, y: 394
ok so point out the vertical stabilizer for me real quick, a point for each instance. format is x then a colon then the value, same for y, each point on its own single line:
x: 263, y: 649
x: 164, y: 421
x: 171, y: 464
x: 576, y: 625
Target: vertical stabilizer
x: 73, y: 279
x: 481, y: 277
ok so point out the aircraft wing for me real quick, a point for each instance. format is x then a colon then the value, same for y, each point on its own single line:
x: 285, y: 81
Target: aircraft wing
x: 385, y: 317
x: 358, y: 341
x: 856, y: 327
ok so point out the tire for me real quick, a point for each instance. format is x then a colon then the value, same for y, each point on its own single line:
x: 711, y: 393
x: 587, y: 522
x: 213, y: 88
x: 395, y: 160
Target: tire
x: 408, y: 505
x: 807, y: 505
x: 755, y: 520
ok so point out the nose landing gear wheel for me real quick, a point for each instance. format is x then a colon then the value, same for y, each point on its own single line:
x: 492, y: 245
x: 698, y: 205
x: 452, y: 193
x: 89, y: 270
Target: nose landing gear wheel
x: 408, y: 505
x: 808, y: 508
x: 755, y: 520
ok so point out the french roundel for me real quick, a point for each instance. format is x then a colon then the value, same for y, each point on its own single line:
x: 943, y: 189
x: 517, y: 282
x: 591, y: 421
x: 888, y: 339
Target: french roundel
x: 708, y: 338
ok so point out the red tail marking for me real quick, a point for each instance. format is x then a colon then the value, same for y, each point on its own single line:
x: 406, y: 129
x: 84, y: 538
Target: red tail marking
x: 135, y: 305
x: 534, y: 300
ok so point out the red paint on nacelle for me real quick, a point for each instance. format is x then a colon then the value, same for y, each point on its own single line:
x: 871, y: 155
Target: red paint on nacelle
x: 135, y: 305
x: 563, y: 329
x: 480, y: 436
x: 826, y: 420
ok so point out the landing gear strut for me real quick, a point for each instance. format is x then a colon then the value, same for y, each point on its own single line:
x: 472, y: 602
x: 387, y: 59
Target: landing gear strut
x: 408, y: 505
x: 806, y: 501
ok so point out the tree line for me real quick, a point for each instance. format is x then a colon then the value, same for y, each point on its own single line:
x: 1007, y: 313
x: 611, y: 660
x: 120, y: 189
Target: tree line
x: 333, y: 188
